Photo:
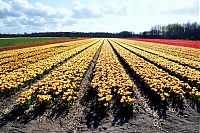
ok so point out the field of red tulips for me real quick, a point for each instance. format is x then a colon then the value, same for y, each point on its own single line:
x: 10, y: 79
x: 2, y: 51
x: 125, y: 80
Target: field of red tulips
x: 101, y: 85
x: 184, y: 43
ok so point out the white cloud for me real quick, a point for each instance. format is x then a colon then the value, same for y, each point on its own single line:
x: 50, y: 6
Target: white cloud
x: 184, y: 7
x: 86, y: 10
x: 6, y: 10
x: 22, y: 14
x: 18, y: 16
x: 94, y: 10
x: 173, y: 7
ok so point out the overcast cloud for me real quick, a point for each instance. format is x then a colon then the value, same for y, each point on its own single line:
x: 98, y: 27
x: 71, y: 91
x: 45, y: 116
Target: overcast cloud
x: 18, y: 16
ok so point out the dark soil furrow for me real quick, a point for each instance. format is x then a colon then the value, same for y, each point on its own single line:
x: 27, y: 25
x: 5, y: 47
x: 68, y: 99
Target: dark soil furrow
x: 140, y: 94
x: 76, y: 114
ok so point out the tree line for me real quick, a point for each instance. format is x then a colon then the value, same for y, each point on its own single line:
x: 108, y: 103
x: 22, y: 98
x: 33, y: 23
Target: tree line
x: 123, y: 34
x: 188, y: 31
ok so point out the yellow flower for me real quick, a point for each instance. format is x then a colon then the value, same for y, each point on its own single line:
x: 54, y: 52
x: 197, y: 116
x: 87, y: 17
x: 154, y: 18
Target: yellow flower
x: 197, y: 94
x: 166, y: 94
x: 108, y: 97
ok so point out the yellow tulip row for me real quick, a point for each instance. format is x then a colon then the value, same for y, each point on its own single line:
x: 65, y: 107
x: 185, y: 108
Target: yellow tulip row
x: 39, y: 51
x: 17, y: 78
x: 160, y: 82
x: 15, y: 58
x: 111, y: 79
x: 25, y: 60
x: 185, y: 61
x: 10, y: 53
x: 17, y: 63
x: 63, y: 83
x: 189, y: 53
x: 17, y: 52
x: 191, y: 75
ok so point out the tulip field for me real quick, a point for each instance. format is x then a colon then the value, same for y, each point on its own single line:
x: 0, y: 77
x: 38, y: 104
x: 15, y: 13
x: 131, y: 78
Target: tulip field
x: 100, y: 85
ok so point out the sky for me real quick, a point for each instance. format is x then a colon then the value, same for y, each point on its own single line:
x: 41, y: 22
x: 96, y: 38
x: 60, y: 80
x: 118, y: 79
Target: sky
x: 19, y: 16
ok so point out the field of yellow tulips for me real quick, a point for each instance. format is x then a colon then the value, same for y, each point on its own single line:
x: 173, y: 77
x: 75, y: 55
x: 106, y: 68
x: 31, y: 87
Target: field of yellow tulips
x: 25, y: 59
x: 184, y: 72
x: 99, y: 80
x: 17, y: 52
x: 159, y: 81
x: 160, y: 70
x: 14, y: 80
x: 192, y: 62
